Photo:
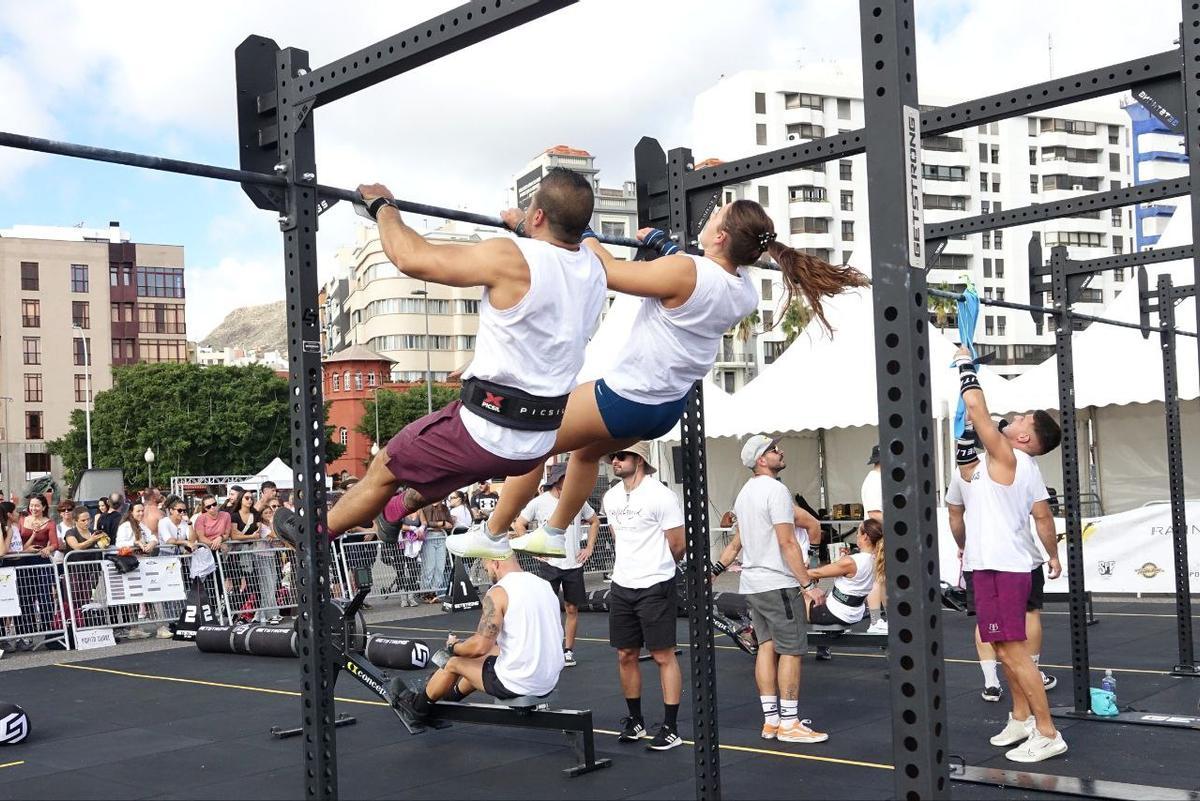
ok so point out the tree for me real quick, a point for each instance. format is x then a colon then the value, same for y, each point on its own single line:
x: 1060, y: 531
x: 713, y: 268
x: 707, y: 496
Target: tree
x: 944, y: 310
x: 399, y: 408
x: 198, y: 421
x: 747, y: 326
x: 795, y: 317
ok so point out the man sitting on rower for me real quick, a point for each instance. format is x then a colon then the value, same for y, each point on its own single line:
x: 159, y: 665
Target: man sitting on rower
x: 516, y: 650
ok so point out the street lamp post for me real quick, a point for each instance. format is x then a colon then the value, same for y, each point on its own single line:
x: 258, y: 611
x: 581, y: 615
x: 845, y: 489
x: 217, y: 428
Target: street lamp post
x: 87, y: 377
x: 149, y: 457
x: 424, y: 293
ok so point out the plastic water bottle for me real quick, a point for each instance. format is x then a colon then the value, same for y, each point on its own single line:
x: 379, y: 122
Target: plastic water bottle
x: 1109, y: 682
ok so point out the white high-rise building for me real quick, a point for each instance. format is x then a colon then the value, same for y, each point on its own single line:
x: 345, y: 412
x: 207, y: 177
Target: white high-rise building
x: 1040, y: 158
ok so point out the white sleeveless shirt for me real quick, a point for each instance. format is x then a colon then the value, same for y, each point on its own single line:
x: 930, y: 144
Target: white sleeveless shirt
x: 860, y: 585
x: 531, y: 636
x: 537, y: 345
x: 999, y: 535
x: 671, y: 349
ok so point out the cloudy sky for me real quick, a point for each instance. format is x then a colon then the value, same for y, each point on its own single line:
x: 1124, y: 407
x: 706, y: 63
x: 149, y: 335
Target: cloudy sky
x: 158, y: 78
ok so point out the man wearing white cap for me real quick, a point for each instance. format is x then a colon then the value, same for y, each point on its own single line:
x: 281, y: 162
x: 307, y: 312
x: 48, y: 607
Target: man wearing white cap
x: 647, y: 527
x: 775, y: 581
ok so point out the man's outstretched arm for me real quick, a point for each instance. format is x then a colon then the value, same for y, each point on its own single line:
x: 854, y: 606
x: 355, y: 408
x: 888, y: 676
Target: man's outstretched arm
x: 999, y: 450
x: 486, y: 633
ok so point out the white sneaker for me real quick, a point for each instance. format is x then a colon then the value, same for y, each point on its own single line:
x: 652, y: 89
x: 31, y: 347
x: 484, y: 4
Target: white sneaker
x: 138, y: 634
x: 541, y: 542
x: 1038, y: 747
x: 878, y: 627
x: 1015, y: 731
x: 164, y: 633
x: 477, y: 544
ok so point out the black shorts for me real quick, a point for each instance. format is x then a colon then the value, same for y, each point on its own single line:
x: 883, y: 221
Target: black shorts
x: 1035, y: 602
x: 567, y: 582
x: 821, y: 616
x: 644, y: 617
x: 491, y: 682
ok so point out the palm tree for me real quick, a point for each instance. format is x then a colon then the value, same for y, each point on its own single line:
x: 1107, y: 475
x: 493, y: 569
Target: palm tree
x: 747, y: 326
x: 795, y: 317
x: 941, y: 308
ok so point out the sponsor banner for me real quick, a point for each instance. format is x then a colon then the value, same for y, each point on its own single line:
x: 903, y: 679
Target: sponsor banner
x: 157, y: 578
x: 10, y: 604
x: 1128, y: 552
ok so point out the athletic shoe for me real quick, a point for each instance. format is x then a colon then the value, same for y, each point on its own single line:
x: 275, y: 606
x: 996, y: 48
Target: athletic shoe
x: 798, y: 731
x: 138, y: 634
x: 823, y: 653
x: 286, y: 525
x: 164, y: 633
x: 406, y: 704
x: 274, y: 620
x: 1049, y: 682
x: 607, y: 578
x: 992, y: 694
x: 631, y: 729
x: 665, y: 739
x: 541, y: 542
x: 769, y: 730
x: 1038, y: 747
x: 477, y: 544
x: 1014, y: 731
x: 569, y: 658
x: 878, y: 627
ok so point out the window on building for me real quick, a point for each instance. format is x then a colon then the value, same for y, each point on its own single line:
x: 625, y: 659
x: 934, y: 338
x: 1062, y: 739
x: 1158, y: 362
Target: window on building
x: 805, y: 130
x: 33, y: 387
x: 846, y: 254
x: 113, y: 275
x: 760, y: 134
x: 81, y: 388
x: 1076, y: 155
x: 343, y: 435
x: 767, y: 289
x: 37, y: 462
x: 987, y: 292
x: 437, y: 306
x: 1033, y: 126
x: 807, y: 194
x: 995, y: 154
x: 985, y: 207
x: 1114, y: 162
x: 153, y: 351
x: 953, y: 261
x: 801, y: 100
x: 983, y: 152
x: 79, y: 278
x: 1114, y: 135
x: 29, y: 276
x: 846, y: 170
x: 989, y: 325
x: 335, y: 382
x: 768, y: 318
x: 843, y: 108
x: 612, y: 228
x: 997, y: 207
x: 760, y: 103
x: 987, y: 240
x: 160, y: 282
x: 1068, y: 126
x: 847, y: 201
x: 371, y: 376
x: 771, y: 351
x: 764, y: 196
x: 987, y: 268
x: 33, y: 425
x: 441, y: 342
x: 810, y: 225
x: 1085, y: 239
x: 1001, y: 325
x: 983, y: 181
x: 81, y: 348
x: 1033, y: 184
x: 847, y: 230
x: 1071, y: 182
x: 1119, y: 274
x: 1118, y: 245
x: 80, y: 314
x: 358, y: 380
x: 1115, y: 216
x: 994, y: 129
x: 995, y: 182
x: 939, y: 172
x: 999, y: 293
x: 998, y: 239
x: 32, y: 350
x: 952, y: 144
x: 999, y: 268
x: 464, y: 342
x: 468, y: 307
x: 1032, y: 156
x: 31, y: 313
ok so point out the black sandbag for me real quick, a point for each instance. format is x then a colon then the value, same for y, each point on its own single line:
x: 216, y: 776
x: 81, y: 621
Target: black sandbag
x: 215, y: 639
x: 247, y: 639
x: 396, y: 653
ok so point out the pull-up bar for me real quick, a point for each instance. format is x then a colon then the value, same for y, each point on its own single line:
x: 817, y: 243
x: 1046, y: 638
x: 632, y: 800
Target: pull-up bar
x: 328, y: 194
x: 939, y: 293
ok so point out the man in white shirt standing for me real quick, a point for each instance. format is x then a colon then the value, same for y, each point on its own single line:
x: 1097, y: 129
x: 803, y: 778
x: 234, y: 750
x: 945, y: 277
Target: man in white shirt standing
x: 564, y: 574
x: 775, y: 581
x: 999, y: 492
x: 872, y: 504
x: 647, y: 527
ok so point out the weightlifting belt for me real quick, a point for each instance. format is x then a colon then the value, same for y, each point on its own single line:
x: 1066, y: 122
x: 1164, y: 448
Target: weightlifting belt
x: 848, y: 600
x: 512, y: 408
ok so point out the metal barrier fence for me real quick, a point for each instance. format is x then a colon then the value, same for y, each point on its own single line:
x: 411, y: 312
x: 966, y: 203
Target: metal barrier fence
x: 258, y: 583
x: 395, y: 575
x: 40, y: 597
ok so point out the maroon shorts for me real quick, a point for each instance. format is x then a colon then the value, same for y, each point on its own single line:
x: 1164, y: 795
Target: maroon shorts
x: 436, y: 455
x: 1000, y: 604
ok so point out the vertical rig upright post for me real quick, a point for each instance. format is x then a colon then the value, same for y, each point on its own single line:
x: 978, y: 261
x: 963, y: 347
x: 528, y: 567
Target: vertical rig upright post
x: 1070, y: 476
x: 298, y: 222
x: 1189, y: 46
x: 1186, y: 666
x: 695, y: 512
x: 893, y: 143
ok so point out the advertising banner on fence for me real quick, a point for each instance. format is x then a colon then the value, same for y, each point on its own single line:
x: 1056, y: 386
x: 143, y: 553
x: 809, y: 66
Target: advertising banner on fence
x: 10, y: 605
x: 1128, y: 552
x: 157, y: 578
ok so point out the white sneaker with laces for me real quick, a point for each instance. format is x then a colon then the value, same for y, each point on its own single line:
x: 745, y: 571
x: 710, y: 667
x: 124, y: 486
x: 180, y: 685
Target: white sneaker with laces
x: 541, y: 542
x: 477, y: 544
x: 138, y: 634
x: 878, y: 627
x: 1014, y: 731
x: 1038, y: 747
x: 164, y: 633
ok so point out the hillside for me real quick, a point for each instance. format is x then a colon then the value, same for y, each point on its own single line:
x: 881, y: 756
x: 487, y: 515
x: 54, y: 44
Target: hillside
x: 258, y: 328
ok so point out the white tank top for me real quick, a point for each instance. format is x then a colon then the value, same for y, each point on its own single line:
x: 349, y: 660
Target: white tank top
x: 670, y: 349
x: 999, y: 535
x: 860, y: 584
x: 537, y: 345
x: 531, y: 636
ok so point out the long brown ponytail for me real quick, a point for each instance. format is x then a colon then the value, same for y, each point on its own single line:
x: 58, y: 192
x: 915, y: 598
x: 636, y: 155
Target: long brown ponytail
x: 872, y: 529
x: 752, y: 235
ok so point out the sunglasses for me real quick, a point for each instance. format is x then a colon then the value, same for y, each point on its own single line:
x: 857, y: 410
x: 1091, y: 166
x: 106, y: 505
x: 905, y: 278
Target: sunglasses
x: 178, y: 509
x: 209, y: 505
x: 272, y: 506
x: 621, y: 456
x: 773, y: 449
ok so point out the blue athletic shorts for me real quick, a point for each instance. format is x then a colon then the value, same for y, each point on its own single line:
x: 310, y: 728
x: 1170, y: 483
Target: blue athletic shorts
x: 625, y: 419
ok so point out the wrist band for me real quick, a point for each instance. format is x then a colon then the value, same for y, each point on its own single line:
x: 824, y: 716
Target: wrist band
x: 588, y: 233
x: 718, y: 568
x: 968, y: 381
x: 808, y: 586
x: 375, y: 206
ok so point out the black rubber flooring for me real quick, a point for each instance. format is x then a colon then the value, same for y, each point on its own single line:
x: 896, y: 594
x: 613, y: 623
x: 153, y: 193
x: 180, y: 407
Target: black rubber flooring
x: 182, y: 724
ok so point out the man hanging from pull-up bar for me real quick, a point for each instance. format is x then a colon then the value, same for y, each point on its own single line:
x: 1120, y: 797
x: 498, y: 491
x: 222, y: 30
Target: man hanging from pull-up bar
x: 542, y: 298
x: 999, y: 490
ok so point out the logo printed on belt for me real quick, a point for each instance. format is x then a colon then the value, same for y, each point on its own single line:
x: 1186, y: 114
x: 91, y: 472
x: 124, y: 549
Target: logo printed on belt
x: 492, y: 401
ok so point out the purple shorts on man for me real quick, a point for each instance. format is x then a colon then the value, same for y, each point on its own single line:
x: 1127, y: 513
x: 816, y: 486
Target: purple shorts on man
x: 1000, y: 602
x: 436, y: 455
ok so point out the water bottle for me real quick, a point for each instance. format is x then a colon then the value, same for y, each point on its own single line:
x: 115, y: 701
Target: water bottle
x: 1109, y: 682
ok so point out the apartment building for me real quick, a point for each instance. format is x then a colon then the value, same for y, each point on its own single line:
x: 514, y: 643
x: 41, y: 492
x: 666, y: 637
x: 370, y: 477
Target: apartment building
x: 823, y: 210
x: 74, y: 302
x: 1158, y: 155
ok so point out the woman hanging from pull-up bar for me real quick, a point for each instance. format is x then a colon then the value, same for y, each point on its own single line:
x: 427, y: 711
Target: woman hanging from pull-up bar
x: 689, y: 302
